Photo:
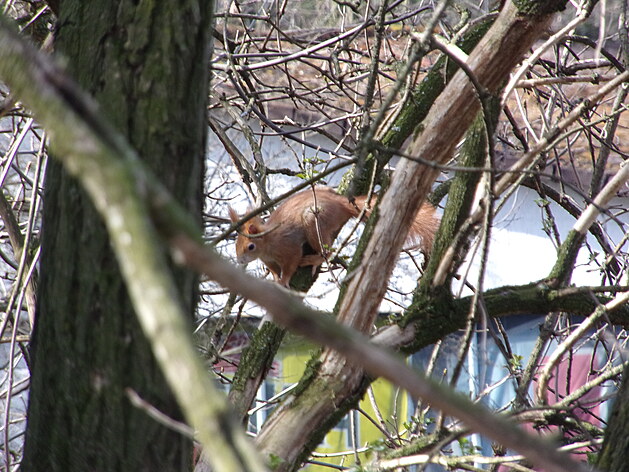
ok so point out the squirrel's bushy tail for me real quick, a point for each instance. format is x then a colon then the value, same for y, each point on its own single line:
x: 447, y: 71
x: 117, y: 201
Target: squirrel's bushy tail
x: 422, y: 231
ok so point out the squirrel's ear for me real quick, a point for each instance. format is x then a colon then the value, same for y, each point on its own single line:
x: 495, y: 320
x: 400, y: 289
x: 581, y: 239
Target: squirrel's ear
x: 233, y: 216
x: 252, y: 228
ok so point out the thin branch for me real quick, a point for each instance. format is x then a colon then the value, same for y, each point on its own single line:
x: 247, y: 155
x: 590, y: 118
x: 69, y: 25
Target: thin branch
x: 583, y: 15
x: 555, y: 358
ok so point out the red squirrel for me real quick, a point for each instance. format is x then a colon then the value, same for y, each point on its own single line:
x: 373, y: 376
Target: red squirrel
x: 298, y: 233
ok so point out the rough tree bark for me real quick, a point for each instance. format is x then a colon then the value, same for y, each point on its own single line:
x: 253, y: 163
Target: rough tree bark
x: 613, y: 457
x: 147, y: 67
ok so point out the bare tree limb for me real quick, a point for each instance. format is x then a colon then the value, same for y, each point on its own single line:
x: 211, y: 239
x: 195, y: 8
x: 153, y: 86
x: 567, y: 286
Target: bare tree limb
x: 291, y: 313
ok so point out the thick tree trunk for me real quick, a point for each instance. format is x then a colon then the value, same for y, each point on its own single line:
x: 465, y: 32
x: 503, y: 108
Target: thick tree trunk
x: 613, y: 456
x: 147, y: 67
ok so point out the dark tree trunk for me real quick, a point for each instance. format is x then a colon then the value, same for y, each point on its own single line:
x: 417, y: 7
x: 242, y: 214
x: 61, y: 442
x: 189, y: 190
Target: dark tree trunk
x: 613, y: 456
x: 146, y: 64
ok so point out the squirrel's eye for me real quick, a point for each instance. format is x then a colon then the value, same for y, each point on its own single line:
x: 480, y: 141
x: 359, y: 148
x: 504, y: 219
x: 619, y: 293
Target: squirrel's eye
x: 251, y: 247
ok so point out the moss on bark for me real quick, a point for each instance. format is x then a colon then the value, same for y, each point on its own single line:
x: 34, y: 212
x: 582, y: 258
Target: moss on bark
x: 537, y: 8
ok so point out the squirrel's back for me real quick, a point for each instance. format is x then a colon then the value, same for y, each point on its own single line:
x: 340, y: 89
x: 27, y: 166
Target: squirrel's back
x: 320, y: 212
x: 303, y: 228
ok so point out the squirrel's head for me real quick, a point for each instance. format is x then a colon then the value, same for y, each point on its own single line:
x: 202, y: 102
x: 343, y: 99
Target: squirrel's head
x: 247, y: 247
